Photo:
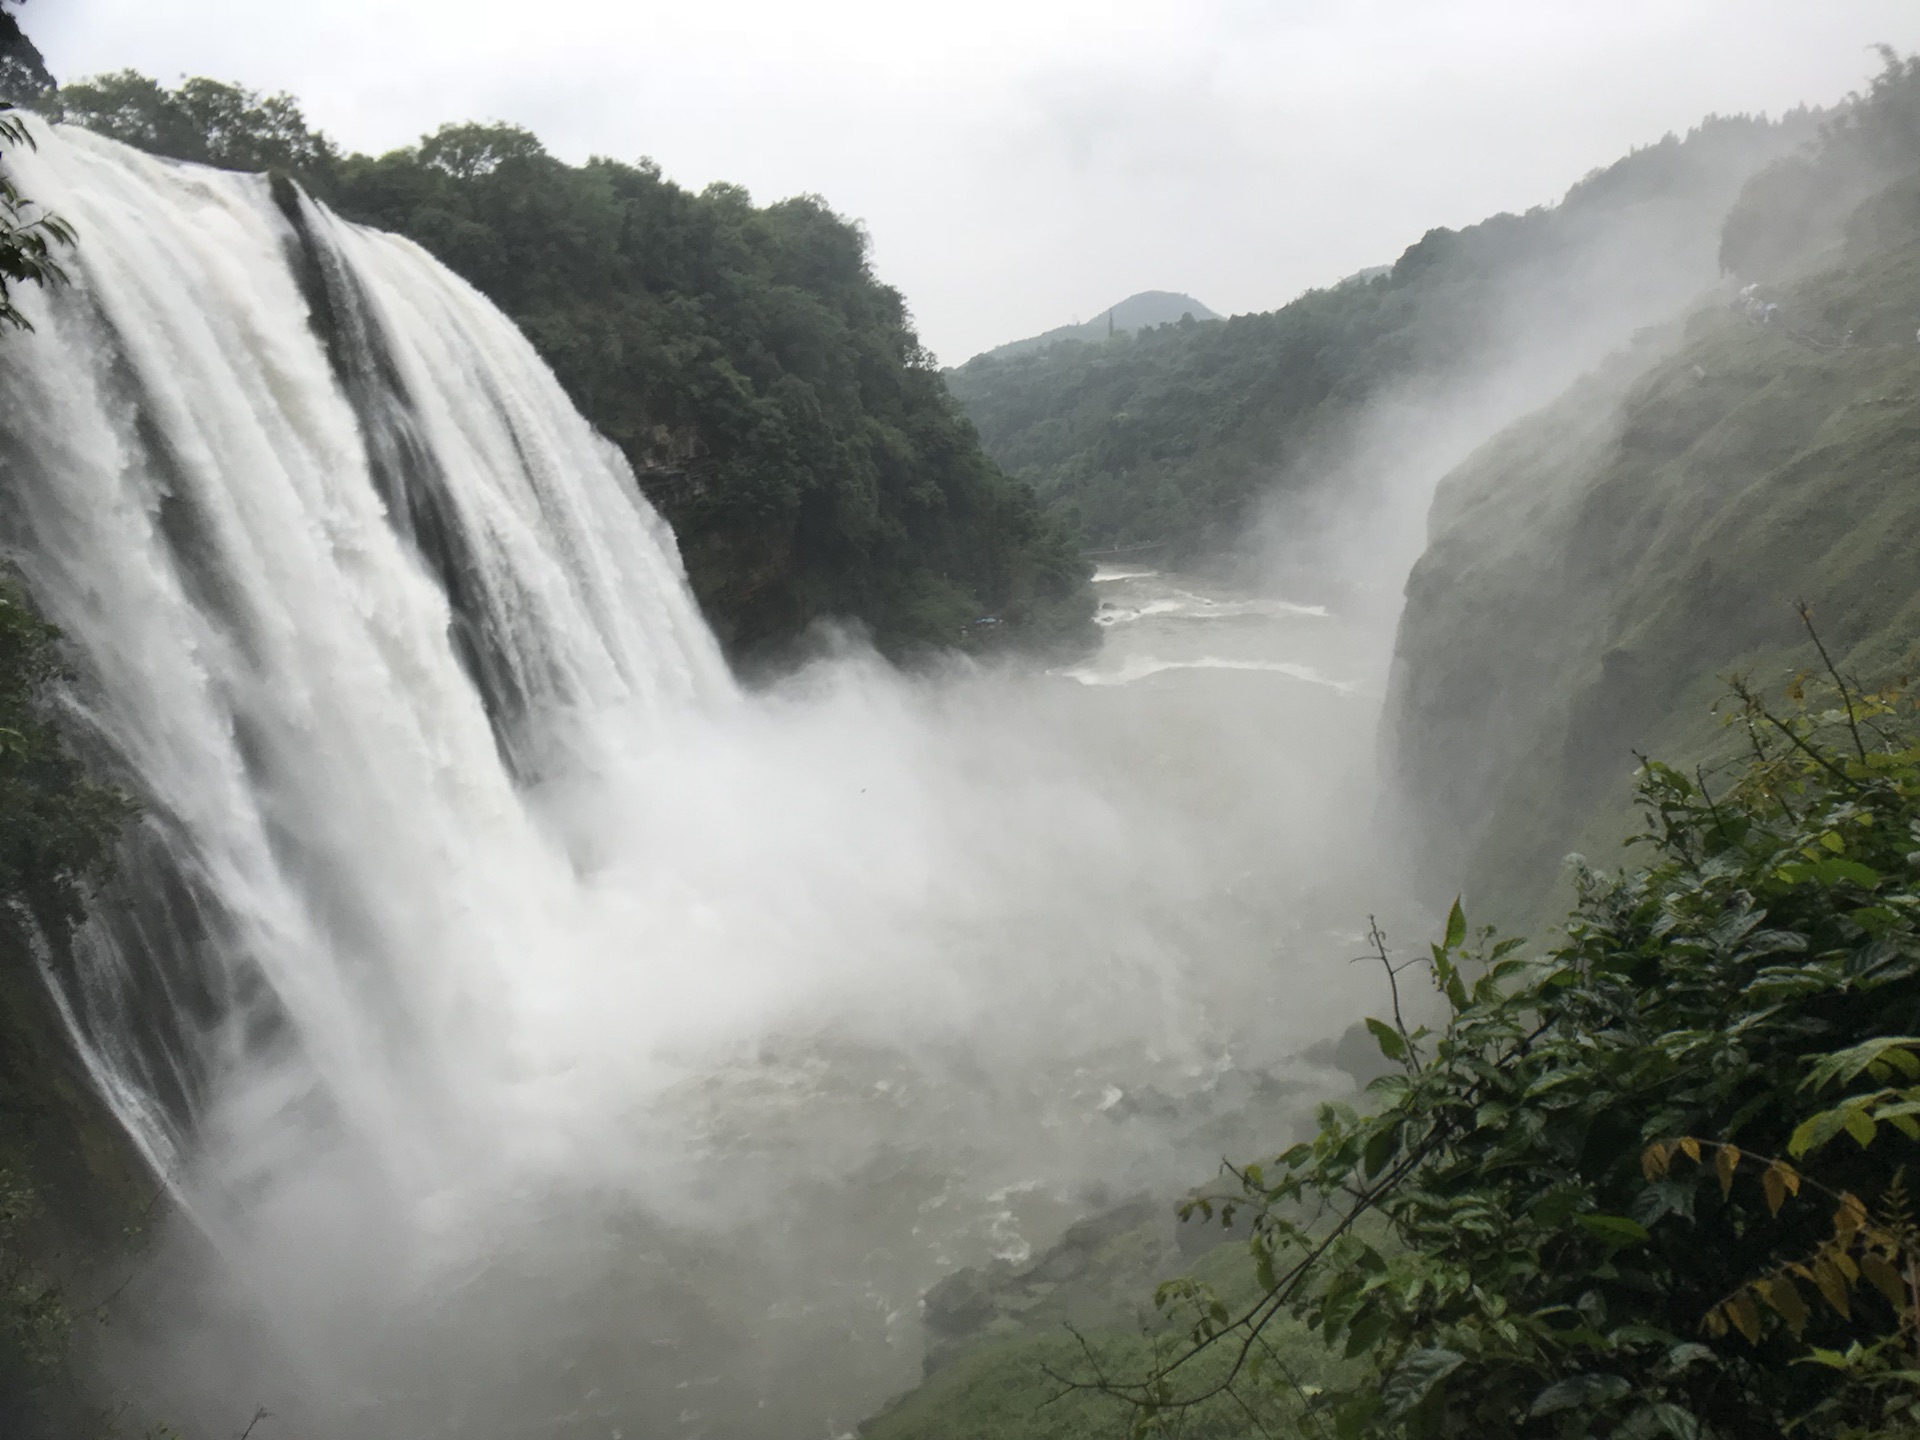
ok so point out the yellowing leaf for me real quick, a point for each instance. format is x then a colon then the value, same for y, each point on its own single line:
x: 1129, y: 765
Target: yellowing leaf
x: 1655, y: 1160
x: 1849, y: 1219
x: 1832, y: 1287
x: 1691, y: 1148
x: 1779, y: 1182
x: 1884, y: 1278
x: 1782, y: 1295
x: 1745, y: 1316
x: 1725, y: 1160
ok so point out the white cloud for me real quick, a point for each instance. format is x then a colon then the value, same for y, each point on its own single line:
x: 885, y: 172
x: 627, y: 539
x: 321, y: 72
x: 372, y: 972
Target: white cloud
x: 1022, y: 161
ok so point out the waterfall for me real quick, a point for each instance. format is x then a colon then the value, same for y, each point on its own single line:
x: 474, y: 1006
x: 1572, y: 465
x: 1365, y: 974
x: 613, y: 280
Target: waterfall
x: 477, y: 932
x: 345, y: 579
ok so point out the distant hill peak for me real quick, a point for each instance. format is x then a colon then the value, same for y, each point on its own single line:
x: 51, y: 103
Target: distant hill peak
x: 1136, y: 312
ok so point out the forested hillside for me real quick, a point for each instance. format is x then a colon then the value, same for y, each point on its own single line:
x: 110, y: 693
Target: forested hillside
x: 1170, y: 435
x: 768, y: 389
x: 1594, y: 571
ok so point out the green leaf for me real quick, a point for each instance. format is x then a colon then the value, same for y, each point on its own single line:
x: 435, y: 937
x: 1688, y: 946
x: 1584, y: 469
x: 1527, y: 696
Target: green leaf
x: 1366, y: 1332
x: 1659, y: 1419
x: 1392, y: 1044
x: 1381, y: 1146
x: 1833, y: 872
x: 1456, y: 927
x: 1811, y: 1134
x: 1579, y: 1391
x: 1679, y: 1357
x: 1614, y: 1229
x: 1415, y: 1378
x: 1860, y: 1126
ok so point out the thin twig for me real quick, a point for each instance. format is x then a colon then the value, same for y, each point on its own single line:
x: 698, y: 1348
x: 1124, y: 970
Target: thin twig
x: 1846, y: 696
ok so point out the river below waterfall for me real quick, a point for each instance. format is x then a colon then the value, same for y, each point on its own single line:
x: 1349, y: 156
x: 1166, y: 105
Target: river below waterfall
x: 1153, y: 913
x: 1160, y: 913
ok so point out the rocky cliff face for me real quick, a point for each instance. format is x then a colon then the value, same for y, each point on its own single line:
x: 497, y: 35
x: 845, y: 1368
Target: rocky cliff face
x: 1595, y: 571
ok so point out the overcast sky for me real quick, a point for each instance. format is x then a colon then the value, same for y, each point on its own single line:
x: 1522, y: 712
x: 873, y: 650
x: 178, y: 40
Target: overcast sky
x: 1023, y: 163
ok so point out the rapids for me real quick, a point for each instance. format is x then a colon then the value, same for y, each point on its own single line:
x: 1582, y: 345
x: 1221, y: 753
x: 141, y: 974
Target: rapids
x: 537, y: 1033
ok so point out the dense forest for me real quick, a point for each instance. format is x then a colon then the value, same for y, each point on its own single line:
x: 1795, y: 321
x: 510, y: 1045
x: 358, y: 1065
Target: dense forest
x: 769, y: 391
x: 1169, y: 436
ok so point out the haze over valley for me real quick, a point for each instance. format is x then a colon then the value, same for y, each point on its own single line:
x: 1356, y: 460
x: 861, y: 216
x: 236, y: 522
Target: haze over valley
x: 602, y: 838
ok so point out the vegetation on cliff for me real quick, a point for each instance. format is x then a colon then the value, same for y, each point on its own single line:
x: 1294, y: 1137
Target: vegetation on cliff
x: 1648, y: 1181
x: 1601, y: 1196
x: 23, y: 71
x: 769, y: 390
x: 63, y: 1174
x: 69, y: 1184
x: 1592, y: 571
x: 1170, y: 436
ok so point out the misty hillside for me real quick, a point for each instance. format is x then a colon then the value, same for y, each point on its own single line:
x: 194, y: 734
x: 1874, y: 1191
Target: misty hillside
x: 1596, y: 570
x: 1170, y: 436
x: 1137, y: 312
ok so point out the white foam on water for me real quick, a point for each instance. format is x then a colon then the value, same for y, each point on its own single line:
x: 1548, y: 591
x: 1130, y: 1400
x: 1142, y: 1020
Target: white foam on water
x: 1185, y: 605
x: 1144, y: 667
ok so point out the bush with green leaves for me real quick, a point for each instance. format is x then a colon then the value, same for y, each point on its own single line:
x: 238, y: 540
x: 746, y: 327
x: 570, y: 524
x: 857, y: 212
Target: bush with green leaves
x: 29, y: 235
x: 1511, y: 1240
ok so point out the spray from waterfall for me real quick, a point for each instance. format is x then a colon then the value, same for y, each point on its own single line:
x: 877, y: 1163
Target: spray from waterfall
x: 509, y: 1001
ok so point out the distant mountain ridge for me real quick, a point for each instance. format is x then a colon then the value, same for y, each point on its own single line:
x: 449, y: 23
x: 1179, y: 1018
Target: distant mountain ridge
x: 1188, y: 435
x: 1136, y: 312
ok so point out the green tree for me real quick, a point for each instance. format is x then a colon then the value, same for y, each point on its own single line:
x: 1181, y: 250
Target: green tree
x: 28, y: 235
x: 201, y: 120
x: 23, y: 73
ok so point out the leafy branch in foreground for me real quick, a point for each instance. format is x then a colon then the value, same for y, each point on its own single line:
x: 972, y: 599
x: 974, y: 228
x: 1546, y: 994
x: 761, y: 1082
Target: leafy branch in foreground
x: 1505, y: 1246
x: 28, y: 234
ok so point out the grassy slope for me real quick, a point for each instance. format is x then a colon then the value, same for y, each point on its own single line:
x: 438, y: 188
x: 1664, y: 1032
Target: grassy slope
x: 1593, y: 572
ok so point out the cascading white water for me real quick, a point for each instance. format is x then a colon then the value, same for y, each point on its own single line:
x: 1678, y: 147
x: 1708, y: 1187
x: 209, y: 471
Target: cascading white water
x: 470, y: 892
x: 195, y: 501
